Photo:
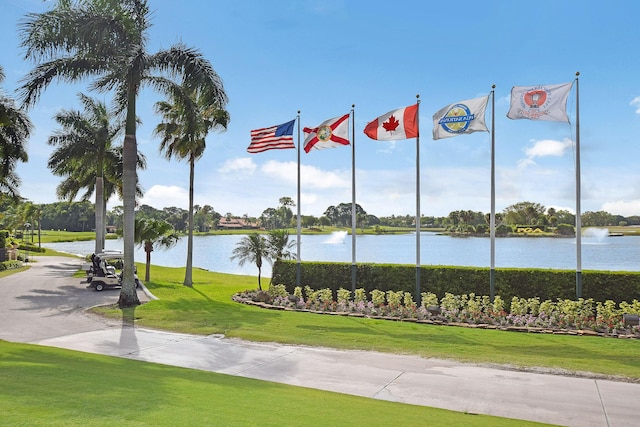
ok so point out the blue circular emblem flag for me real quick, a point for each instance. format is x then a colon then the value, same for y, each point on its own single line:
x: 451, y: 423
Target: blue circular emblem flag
x: 457, y: 119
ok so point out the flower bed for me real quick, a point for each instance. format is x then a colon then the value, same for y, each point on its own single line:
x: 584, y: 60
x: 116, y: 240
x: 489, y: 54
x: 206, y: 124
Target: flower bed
x: 581, y: 317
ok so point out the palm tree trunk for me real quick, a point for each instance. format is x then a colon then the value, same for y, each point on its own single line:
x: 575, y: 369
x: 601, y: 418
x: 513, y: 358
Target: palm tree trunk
x: 147, y: 271
x: 188, y: 278
x: 99, y: 212
x: 128, y: 294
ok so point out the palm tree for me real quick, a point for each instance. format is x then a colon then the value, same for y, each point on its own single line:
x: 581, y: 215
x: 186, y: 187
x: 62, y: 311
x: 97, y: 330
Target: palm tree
x: 252, y: 248
x: 278, y: 245
x: 83, y: 144
x: 186, y: 123
x: 152, y: 233
x: 107, y: 39
x: 31, y: 214
x: 15, y: 128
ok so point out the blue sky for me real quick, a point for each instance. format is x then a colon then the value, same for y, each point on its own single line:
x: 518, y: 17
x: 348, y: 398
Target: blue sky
x: 322, y: 56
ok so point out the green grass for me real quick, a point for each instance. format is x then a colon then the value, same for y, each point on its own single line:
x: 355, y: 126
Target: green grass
x: 52, y: 236
x: 5, y: 273
x: 207, y: 308
x: 56, y: 387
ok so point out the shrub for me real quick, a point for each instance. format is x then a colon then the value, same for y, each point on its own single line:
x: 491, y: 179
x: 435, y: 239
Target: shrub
x: 581, y: 314
x: 10, y: 265
x: 503, y: 230
x: 565, y: 230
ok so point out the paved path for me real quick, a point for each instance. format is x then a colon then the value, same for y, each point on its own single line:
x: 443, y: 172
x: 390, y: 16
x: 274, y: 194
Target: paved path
x: 48, y: 308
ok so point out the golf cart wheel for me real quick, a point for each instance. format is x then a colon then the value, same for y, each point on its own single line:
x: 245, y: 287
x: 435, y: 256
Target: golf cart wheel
x: 99, y: 286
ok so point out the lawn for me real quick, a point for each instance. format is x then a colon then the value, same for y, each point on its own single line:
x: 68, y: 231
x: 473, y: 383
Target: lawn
x: 56, y: 387
x: 207, y: 309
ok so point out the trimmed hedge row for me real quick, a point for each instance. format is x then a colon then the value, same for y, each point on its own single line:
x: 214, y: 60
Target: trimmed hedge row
x: 10, y: 265
x: 509, y: 282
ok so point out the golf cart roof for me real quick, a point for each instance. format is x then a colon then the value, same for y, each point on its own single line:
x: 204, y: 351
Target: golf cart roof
x: 109, y: 254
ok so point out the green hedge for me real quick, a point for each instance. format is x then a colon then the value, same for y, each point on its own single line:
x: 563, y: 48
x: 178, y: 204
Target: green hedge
x: 9, y: 265
x: 31, y: 248
x: 524, y: 283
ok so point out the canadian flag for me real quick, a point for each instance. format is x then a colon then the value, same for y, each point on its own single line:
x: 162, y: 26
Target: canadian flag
x: 396, y: 124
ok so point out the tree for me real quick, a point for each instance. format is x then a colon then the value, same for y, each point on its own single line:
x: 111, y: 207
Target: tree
x: 83, y: 144
x: 332, y: 214
x: 598, y: 219
x: 107, y: 39
x: 186, y: 123
x: 15, y: 128
x: 563, y: 216
x: 523, y: 213
x: 285, y: 215
x: 269, y: 218
x: 341, y: 215
x: 32, y: 214
x: 151, y: 233
x: 278, y: 245
x: 252, y: 248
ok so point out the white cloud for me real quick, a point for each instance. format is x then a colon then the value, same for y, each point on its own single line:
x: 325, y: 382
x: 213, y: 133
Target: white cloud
x: 243, y: 165
x: 284, y: 171
x: 544, y: 148
x: 162, y: 196
x: 635, y: 102
x: 548, y: 147
x: 313, y: 177
x: 622, y: 207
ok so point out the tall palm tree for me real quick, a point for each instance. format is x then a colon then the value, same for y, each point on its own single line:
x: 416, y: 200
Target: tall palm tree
x: 107, y: 39
x: 83, y: 144
x: 252, y: 248
x: 186, y: 122
x: 152, y: 233
x: 15, y: 128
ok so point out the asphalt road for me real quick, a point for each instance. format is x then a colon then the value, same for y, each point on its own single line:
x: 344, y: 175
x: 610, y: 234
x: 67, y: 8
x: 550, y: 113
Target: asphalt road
x: 45, y: 305
x: 46, y: 302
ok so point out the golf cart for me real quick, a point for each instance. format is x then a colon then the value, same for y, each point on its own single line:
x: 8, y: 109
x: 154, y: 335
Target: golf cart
x: 105, y: 270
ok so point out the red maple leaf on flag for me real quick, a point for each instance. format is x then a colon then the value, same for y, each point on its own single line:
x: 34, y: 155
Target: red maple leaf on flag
x: 391, y: 125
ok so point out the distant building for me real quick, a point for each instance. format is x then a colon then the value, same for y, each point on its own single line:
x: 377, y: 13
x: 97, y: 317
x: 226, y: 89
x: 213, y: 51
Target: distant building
x: 236, y: 224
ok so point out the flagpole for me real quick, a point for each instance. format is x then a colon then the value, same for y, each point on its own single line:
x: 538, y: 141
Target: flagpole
x: 418, y: 296
x: 299, y: 225
x: 492, y: 220
x: 353, y: 199
x: 578, y: 212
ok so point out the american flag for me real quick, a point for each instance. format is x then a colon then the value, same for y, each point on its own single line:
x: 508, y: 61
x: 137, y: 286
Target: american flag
x: 274, y: 137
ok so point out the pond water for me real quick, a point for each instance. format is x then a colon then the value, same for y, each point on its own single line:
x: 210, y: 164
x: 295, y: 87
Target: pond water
x: 599, y: 251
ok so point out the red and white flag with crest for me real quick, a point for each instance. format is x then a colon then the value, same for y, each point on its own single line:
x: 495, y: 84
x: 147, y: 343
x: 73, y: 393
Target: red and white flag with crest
x: 329, y: 134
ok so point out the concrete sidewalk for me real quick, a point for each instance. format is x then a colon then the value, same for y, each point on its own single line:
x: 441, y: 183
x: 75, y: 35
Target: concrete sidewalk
x: 545, y: 398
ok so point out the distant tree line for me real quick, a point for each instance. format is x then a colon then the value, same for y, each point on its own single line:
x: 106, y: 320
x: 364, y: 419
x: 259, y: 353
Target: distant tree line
x: 80, y: 216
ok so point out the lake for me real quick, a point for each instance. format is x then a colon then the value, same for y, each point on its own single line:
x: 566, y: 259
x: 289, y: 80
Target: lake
x: 599, y: 252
